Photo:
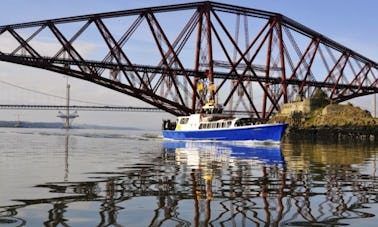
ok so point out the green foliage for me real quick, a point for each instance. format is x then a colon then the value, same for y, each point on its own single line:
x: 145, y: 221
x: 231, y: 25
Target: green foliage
x: 296, y: 119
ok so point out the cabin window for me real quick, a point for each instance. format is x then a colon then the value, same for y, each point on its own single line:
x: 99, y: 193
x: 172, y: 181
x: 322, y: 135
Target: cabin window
x: 184, y: 120
x: 229, y: 123
x: 244, y: 122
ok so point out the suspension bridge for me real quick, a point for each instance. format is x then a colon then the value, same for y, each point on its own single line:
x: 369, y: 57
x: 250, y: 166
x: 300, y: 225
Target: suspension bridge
x: 248, y: 60
x: 81, y: 105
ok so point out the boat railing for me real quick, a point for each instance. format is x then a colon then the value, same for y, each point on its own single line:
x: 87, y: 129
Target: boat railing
x: 211, y: 108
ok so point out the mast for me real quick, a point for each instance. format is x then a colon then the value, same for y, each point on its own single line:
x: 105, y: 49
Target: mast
x: 67, y: 120
x: 67, y: 116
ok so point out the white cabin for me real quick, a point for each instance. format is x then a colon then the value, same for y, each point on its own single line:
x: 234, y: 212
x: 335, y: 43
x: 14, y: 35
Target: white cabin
x: 214, y: 121
x: 210, y: 118
x: 186, y: 123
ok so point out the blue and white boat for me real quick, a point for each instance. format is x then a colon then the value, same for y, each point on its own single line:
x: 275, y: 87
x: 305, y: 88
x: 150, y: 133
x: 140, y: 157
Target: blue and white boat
x: 212, y: 124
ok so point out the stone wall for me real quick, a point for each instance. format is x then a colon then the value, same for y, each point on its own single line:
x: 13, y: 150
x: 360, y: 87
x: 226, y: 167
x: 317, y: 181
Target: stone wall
x: 306, y: 106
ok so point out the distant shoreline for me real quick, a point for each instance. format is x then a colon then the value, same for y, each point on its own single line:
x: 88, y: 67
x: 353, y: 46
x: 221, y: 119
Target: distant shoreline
x: 57, y: 125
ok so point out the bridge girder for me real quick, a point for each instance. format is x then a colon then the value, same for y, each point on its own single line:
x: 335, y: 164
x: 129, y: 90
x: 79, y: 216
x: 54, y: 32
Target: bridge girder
x: 187, y: 47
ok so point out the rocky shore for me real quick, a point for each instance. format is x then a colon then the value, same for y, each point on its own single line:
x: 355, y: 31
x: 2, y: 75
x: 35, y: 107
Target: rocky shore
x: 338, y: 133
x: 318, y: 118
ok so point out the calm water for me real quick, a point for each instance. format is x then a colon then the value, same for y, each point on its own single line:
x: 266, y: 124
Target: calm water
x: 134, y: 178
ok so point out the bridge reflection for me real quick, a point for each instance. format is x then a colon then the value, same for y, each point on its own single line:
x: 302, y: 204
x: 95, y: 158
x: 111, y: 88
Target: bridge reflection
x: 217, y: 184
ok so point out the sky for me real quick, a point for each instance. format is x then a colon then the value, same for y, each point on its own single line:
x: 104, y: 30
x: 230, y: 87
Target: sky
x: 351, y: 23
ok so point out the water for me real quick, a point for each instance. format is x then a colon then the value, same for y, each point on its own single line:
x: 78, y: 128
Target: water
x: 134, y: 178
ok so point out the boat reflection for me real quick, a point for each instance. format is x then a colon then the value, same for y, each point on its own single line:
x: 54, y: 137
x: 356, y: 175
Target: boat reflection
x: 196, y: 152
x: 230, y: 183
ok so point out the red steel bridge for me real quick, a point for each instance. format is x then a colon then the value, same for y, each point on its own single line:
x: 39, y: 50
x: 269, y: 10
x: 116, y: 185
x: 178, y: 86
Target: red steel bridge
x: 176, y: 57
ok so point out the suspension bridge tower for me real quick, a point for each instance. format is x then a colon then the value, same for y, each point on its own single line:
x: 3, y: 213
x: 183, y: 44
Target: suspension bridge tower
x: 67, y: 117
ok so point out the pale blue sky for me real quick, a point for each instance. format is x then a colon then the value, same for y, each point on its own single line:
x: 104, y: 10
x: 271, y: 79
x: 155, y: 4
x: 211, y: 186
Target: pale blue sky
x: 351, y: 23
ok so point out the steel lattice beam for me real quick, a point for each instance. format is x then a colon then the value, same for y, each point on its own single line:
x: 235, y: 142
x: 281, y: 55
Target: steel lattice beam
x: 191, y: 58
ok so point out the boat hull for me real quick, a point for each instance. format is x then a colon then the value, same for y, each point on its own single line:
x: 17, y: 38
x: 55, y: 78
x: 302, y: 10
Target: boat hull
x: 264, y: 132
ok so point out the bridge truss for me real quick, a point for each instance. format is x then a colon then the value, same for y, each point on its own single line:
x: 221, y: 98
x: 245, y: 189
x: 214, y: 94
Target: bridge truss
x: 177, y: 57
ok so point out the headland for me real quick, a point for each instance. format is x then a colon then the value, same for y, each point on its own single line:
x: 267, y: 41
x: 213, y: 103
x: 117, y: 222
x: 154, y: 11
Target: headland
x: 318, y: 118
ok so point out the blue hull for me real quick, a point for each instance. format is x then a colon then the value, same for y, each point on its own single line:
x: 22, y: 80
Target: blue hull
x: 264, y: 132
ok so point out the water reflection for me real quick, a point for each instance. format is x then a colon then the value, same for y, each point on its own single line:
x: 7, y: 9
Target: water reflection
x: 225, y: 179
x: 66, y: 146
x: 332, y: 183
x: 197, y: 153
x: 216, y: 184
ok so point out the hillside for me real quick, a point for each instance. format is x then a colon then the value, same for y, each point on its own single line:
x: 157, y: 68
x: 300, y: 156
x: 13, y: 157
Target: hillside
x: 341, y: 115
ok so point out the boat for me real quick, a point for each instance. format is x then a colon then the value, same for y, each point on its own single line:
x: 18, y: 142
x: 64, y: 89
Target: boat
x: 212, y: 124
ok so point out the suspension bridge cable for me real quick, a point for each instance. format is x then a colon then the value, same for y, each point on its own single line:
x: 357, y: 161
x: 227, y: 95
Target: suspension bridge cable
x: 51, y: 95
